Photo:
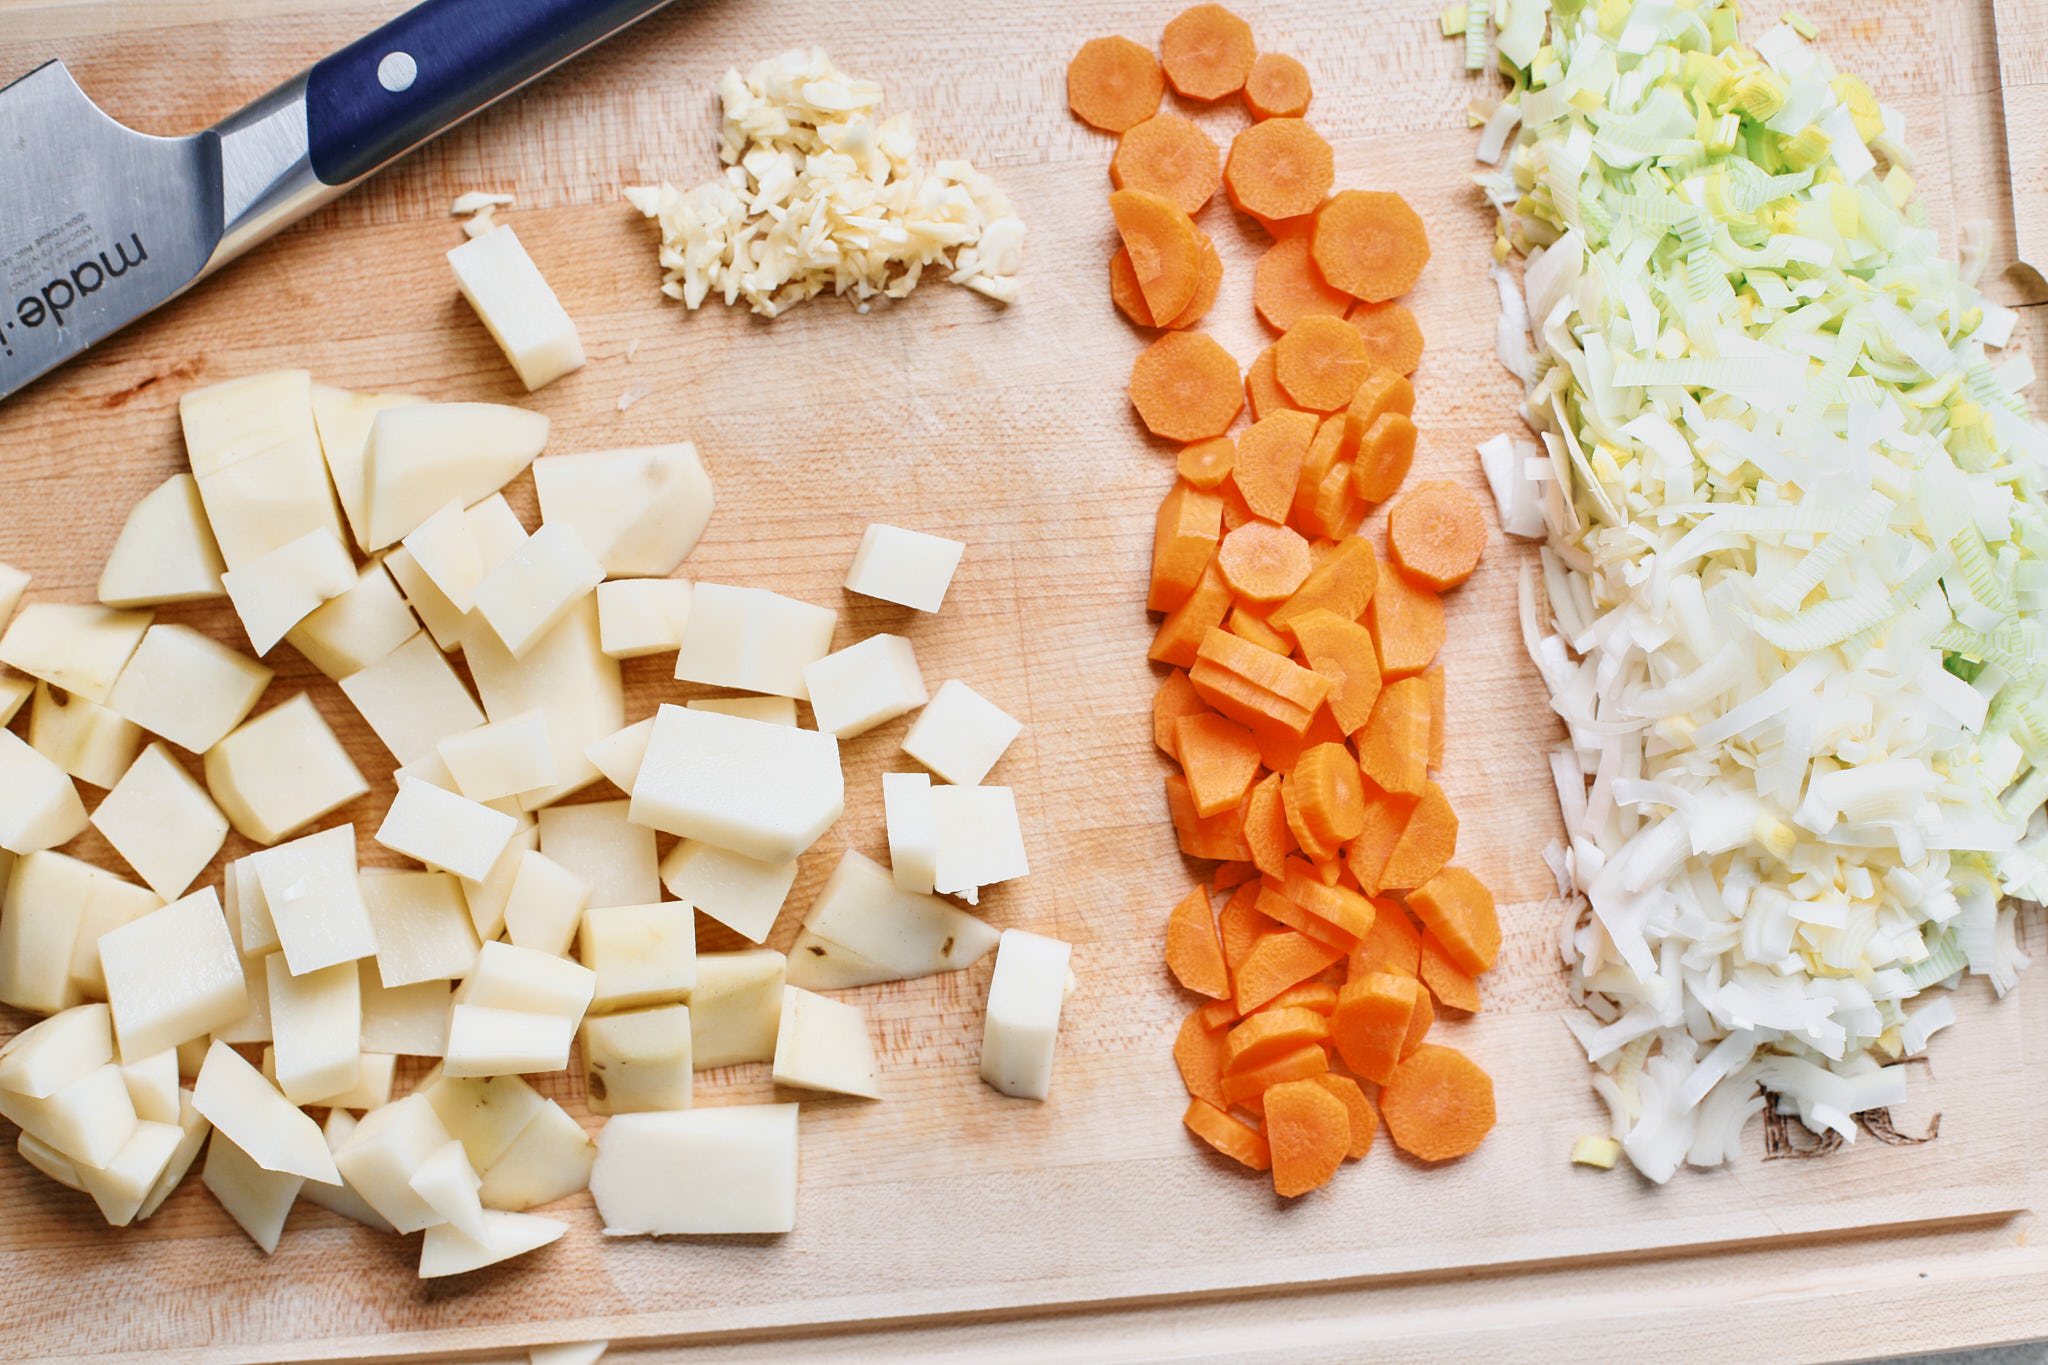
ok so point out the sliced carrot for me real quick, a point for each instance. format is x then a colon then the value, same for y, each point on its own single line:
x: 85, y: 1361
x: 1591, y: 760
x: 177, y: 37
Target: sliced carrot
x: 1230, y: 876
x: 1286, y: 286
x: 1228, y: 1134
x: 1193, y: 952
x: 1304, y: 834
x: 1386, y: 815
x: 1308, y: 1131
x: 1217, y: 836
x: 1320, y: 361
x: 1393, y: 944
x: 1265, y: 826
x: 1251, y: 685
x: 1434, y: 676
x: 1309, y: 995
x: 1171, y: 157
x: 1382, y: 392
x: 1278, y: 906
x: 1246, y: 1087
x: 1393, y: 748
x: 1240, y: 925
x: 1198, y: 1052
x: 1426, y: 843
x: 1164, y: 246
x: 1207, y: 463
x: 1207, y: 287
x: 1371, y: 1022
x: 1235, y: 512
x: 1129, y: 298
x: 1344, y: 584
x: 1269, y: 457
x: 1343, y: 652
x: 1393, y: 339
x: 1279, y: 168
x: 1184, y: 539
x: 1329, y: 793
x: 1262, y: 562
x: 1384, y: 456
x: 1276, y: 961
x: 1369, y: 244
x: 1336, y: 443
x: 1407, y: 624
x: 1437, y: 533
x: 1452, y: 987
x: 1262, y: 387
x: 1124, y: 291
x: 1220, y: 758
x: 1277, y: 87
x: 1218, y: 1014
x: 1175, y: 698
x: 1271, y: 1034
x: 1364, y: 1120
x: 1181, y: 633
x: 1114, y: 84
x: 1249, y: 621
x: 1207, y: 52
x: 1419, y: 1024
x: 1459, y: 912
x: 1186, y: 387
x: 1338, y: 907
x: 1438, y: 1105
x: 1280, y: 748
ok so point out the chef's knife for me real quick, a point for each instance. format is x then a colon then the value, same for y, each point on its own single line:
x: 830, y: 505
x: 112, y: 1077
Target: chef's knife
x: 99, y: 224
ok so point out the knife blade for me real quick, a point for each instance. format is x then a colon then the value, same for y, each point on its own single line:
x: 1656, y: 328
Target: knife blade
x: 100, y: 224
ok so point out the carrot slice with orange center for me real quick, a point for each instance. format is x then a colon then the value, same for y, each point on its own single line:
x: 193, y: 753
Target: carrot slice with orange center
x: 1369, y: 244
x: 1320, y: 361
x: 1114, y: 84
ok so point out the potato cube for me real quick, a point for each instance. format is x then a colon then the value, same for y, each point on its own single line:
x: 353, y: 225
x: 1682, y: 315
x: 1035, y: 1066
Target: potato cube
x: 752, y: 639
x: 275, y: 591
x: 409, y: 1020
x: 275, y: 1133
x: 47, y: 1056
x: 512, y: 978
x: 735, y: 1007
x: 120, y: 1186
x: 343, y: 1198
x: 864, y: 685
x: 14, y: 692
x: 537, y: 587
x: 412, y: 699
x: 549, y: 1160
x: 257, y: 1199
x: 86, y: 740
x: 162, y: 821
x: 913, y: 830
x: 13, y: 583
x: 87, y: 1120
x: 483, y: 1041
x: 280, y: 772
x: 637, y: 1061
x: 618, y: 754
x: 380, y: 1154
x: 565, y: 674
x: 110, y: 902
x: 743, y: 1164
x: 770, y: 710
x: 153, y: 1087
x: 604, y: 849
x: 980, y: 842
x: 172, y: 975
x: 81, y: 649
x: 767, y: 791
x: 446, y: 1181
x: 822, y: 1044
x: 418, y: 458
x: 640, y: 511
x: 443, y: 621
x: 46, y: 901
x: 641, y: 616
x: 744, y: 894
x: 255, y: 452
x: 642, y: 954
x: 909, y: 568
x: 188, y: 689
x: 447, y: 1250
x: 317, y: 1021
x: 165, y: 552
x: 546, y: 905
x: 192, y: 1131
x: 487, y: 898
x: 502, y: 758
x: 444, y: 830
x: 39, y: 805
x: 421, y: 926
x: 515, y: 304
x: 343, y: 420
x: 485, y: 1114
x: 1023, y: 1019
x: 346, y: 634
x: 49, y: 1161
x: 961, y: 734
x: 894, y: 934
x: 315, y: 899
x: 447, y: 553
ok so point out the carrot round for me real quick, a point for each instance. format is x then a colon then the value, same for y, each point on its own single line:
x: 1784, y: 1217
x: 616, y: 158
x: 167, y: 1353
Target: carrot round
x: 1193, y: 952
x: 1124, y: 291
x: 1269, y: 458
x: 1263, y: 562
x: 1320, y: 361
x: 1425, y: 845
x: 1331, y: 794
x: 1370, y: 1022
x: 1437, y: 533
x: 1207, y: 285
x: 1419, y: 1024
x: 1185, y: 387
x: 1384, y: 456
x: 1308, y: 1131
x: 1265, y: 826
x: 1393, y: 748
x: 1207, y: 463
x: 1369, y: 244
x: 1175, y: 698
x: 1392, y: 336
x: 1171, y: 157
x: 1452, y: 986
x: 1220, y: 759
x: 1184, y: 537
x: 1198, y: 1052
x: 1207, y: 52
x: 1310, y: 840
x: 1228, y: 1134
x: 1364, y: 1121
x: 1336, y: 443
x: 1114, y: 84
x: 1165, y: 249
x: 1239, y: 923
x: 1386, y: 815
x: 1250, y: 621
x: 1280, y: 168
x: 1382, y: 392
x: 1341, y: 651
x: 1276, y: 961
x: 1438, y: 1104
x: 1246, y: 1088
x: 1215, y: 836
x: 1343, y: 584
x: 1287, y: 287
x: 1393, y: 944
x: 1277, y: 87
x: 1459, y: 913
x: 1254, y: 685
x: 1407, y: 622
x: 1262, y: 387
x: 1270, y: 1034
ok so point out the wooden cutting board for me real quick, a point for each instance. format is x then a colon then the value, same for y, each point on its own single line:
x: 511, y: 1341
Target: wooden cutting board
x: 948, y: 1220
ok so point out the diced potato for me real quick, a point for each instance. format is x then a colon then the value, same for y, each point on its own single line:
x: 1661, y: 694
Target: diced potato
x: 909, y: 568
x: 550, y: 1159
x: 744, y: 894
x: 913, y: 830
x: 237, y: 1101
x: 448, y: 1184
x: 960, y: 734
x: 256, y: 455
x: 862, y: 686
x: 49, y: 1160
x: 767, y: 791
x: 822, y: 1044
x: 735, y: 1007
x: 483, y: 1041
x: 618, y: 754
x: 513, y: 978
x: 412, y: 699
x: 85, y: 739
x: 162, y: 821
x: 641, y: 616
x: 349, y: 633
x: 172, y: 976
x: 165, y: 552
x: 275, y: 591
x: 419, y: 458
x: 81, y: 649
x: 743, y: 1160
x: 248, y: 912
x: 421, y: 925
x: 187, y: 688
x: 382, y: 1151
x: 537, y: 587
x: 608, y: 852
x: 485, y: 1114
x: 109, y: 903
x: 642, y: 954
x: 448, y: 1251
x: 565, y: 674
x: 317, y: 1021
x: 409, y: 1020
x: 882, y: 932
x: 546, y: 905
x: 444, y: 830
x: 769, y: 710
x: 47, y: 897
x: 257, y: 1199
x: 192, y: 1131
x: 447, y: 554
x: 343, y: 1198
x: 487, y: 898
x: 280, y: 772
x: 638, y: 1061
x: 517, y: 307
x: 87, y: 1120
x: 153, y: 1087
x: 640, y: 511
x: 343, y: 420
x: 980, y: 841
x: 752, y: 639
x: 39, y: 805
x: 375, y: 1071
x: 440, y: 617
x: 123, y: 1183
x: 502, y: 758
x: 1021, y: 1027
x: 315, y: 899
x: 45, y: 1057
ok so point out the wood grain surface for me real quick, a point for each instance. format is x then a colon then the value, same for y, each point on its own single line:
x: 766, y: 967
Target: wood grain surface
x: 950, y: 1221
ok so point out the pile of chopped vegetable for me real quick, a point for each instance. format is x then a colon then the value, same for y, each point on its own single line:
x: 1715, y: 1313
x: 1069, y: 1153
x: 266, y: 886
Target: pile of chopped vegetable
x: 1791, y: 590
x: 1303, y: 710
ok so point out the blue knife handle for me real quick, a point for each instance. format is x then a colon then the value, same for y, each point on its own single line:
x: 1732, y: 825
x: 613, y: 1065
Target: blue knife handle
x: 435, y: 65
